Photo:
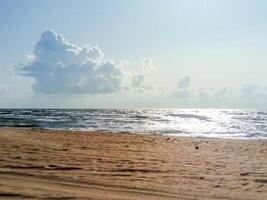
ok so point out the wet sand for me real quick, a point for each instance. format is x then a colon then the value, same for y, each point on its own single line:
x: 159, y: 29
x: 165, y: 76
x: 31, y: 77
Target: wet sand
x: 42, y: 164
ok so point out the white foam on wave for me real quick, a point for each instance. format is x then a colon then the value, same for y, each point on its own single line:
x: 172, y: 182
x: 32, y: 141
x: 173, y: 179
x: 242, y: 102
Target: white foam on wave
x: 245, y: 124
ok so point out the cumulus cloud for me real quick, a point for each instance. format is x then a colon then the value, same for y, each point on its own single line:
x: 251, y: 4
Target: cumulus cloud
x: 253, y: 90
x: 186, y: 90
x: 250, y: 90
x: 221, y: 92
x: 183, y: 90
x: 184, y: 83
x: 60, y: 67
x: 137, y: 80
x: 180, y: 94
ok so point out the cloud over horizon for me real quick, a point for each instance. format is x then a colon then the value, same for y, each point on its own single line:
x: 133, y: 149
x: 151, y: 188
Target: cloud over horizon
x: 186, y: 90
x: 253, y: 90
x: 183, y: 90
x: 184, y: 83
x: 59, y: 67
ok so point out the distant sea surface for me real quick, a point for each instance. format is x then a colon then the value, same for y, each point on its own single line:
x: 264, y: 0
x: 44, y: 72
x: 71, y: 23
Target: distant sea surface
x: 215, y: 123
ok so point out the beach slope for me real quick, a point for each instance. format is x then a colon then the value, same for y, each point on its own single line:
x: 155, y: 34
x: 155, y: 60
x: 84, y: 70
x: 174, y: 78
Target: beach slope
x: 46, y: 164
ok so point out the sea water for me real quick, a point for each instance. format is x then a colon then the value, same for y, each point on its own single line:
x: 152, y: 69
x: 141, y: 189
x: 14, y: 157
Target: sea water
x: 215, y: 123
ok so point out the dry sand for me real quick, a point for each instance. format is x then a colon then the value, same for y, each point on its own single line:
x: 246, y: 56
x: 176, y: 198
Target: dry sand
x: 41, y: 164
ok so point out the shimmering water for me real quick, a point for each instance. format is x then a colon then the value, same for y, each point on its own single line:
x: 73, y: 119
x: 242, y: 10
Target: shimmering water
x: 179, y: 122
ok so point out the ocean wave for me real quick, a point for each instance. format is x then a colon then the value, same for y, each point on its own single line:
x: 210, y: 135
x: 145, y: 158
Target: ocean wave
x: 178, y: 122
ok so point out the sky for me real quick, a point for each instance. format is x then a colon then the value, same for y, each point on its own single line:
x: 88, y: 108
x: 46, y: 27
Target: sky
x: 133, y: 54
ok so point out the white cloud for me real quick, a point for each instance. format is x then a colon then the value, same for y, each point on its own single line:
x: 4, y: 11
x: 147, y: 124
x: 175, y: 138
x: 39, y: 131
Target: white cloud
x: 184, y: 83
x: 137, y: 80
x: 253, y: 90
x: 183, y: 90
x: 140, y: 79
x: 221, y: 93
x: 182, y: 93
x: 59, y: 67
x: 250, y: 90
x: 207, y: 92
x: 186, y: 90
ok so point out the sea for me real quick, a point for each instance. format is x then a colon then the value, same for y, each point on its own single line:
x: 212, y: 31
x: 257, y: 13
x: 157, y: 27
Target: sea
x: 206, y: 123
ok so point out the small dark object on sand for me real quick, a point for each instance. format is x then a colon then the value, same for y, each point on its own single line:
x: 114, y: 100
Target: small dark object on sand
x: 196, y: 147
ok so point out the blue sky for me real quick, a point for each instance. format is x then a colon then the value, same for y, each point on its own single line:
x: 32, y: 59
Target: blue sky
x: 218, y: 47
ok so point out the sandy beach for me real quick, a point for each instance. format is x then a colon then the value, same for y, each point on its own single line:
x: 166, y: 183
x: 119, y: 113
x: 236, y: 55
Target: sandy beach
x: 46, y: 164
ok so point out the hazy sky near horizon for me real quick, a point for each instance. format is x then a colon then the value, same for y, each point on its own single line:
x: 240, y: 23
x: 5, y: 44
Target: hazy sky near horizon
x: 132, y: 54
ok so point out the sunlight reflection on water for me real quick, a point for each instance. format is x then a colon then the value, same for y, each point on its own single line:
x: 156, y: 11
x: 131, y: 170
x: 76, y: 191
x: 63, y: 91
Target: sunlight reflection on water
x: 219, y: 123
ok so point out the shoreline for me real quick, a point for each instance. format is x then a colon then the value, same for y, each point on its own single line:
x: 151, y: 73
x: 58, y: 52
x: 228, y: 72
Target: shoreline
x: 134, y: 133
x: 40, y: 164
x: 148, y: 134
